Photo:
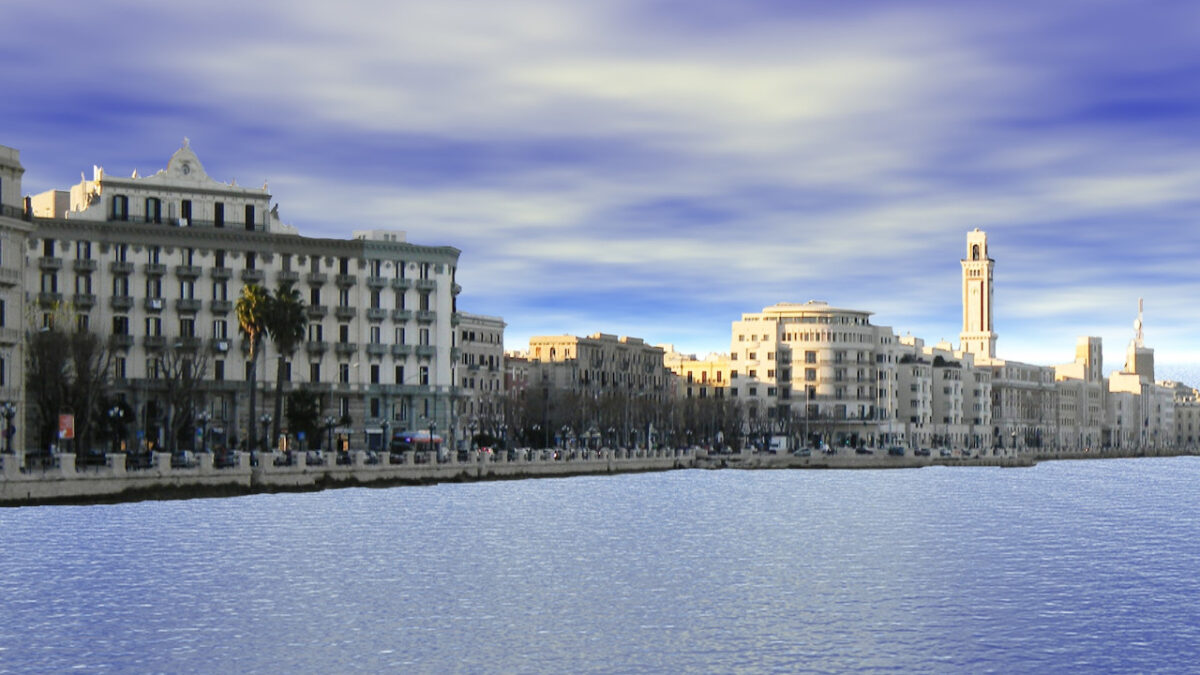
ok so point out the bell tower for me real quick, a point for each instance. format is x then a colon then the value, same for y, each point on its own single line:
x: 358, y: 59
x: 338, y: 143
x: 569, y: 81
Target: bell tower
x: 977, y: 336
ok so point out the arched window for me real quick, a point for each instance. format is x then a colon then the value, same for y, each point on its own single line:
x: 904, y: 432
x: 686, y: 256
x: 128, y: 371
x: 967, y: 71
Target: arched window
x: 974, y: 251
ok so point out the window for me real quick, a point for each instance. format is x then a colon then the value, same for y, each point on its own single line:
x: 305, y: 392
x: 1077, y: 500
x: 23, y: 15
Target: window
x: 185, y: 211
x: 425, y: 375
x: 251, y: 260
x: 83, y: 284
x: 316, y: 332
x: 120, y: 207
x: 314, y: 372
x: 400, y: 375
x: 119, y: 368
x: 343, y: 266
x: 314, y: 296
x: 49, y: 282
x: 400, y: 335
x: 153, y: 287
x: 400, y: 299
x: 219, y: 259
x: 344, y: 297
x: 187, y: 289
x: 83, y: 250
x: 344, y: 333
x: 220, y: 291
x: 424, y: 301
x: 249, y: 216
x: 47, y: 248
x: 219, y: 370
x: 375, y: 335
x: 375, y: 299
x: 153, y: 326
x: 121, y: 252
x: 153, y: 210
x: 219, y: 214
x: 187, y: 327
x: 120, y: 325
x: 424, y: 336
x: 344, y: 373
x: 810, y: 357
x: 375, y: 374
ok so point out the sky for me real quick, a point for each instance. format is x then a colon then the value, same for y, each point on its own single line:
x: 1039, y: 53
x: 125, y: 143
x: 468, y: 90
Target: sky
x: 656, y: 168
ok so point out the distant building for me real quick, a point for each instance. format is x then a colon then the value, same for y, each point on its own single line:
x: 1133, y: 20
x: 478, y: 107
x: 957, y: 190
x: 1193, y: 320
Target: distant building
x: 481, y: 372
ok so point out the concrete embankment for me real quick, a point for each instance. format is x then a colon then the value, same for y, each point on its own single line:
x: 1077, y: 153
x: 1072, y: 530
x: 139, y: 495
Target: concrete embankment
x: 59, y: 481
x: 28, y: 481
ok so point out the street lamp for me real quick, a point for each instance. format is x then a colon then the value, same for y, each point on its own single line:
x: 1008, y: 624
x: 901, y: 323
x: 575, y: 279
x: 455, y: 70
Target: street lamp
x: 471, y: 441
x: 386, y: 442
x: 116, y: 416
x: 204, y: 418
x: 330, y: 423
x: 9, y: 411
x: 266, y: 422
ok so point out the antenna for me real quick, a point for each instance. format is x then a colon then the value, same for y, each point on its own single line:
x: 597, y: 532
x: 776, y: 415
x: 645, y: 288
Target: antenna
x: 1137, y: 326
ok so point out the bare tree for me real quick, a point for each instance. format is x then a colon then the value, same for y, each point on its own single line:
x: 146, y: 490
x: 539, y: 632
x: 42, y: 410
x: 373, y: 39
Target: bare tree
x: 181, y: 372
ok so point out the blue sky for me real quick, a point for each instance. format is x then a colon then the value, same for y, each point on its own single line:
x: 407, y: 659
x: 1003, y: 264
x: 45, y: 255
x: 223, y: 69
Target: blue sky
x: 656, y: 168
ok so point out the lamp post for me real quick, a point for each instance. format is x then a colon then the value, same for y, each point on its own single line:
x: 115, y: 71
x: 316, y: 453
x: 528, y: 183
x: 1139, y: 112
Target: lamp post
x: 266, y: 423
x: 9, y: 411
x: 330, y: 423
x: 116, y: 416
x: 385, y: 442
x: 471, y: 441
x: 504, y: 436
x: 432, y: 435
x: 204, y: 418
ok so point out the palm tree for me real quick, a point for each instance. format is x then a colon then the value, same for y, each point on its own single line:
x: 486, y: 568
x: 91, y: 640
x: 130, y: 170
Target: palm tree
x: 252, y: 309
x: 286, y: 324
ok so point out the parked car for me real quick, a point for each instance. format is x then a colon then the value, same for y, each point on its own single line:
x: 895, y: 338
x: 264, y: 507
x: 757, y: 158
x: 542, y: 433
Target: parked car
x: 922, y: 452
x: 864, y: 451
x: 945, y: 452
x: 803, y: 452
x: 896, y: 450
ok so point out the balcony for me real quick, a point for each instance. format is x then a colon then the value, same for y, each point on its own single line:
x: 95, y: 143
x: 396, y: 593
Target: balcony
x: 402, y: 350
x: 376, y: 282
x: 46, y: 299
x: 120, y: 267
x: 154, y: 269
x: 188, y: 272
x: 345, y: 280
x: 120, y: 341
x: 49, y: 264
x: 83, y: 300
x: 426, y: 284
x: 220, y: 273
x: 154, y: 342
x: 219, y: 306
x: 10, y: 336
x: 427, y: 351
x: 346, y: 348
x: 456, y: 289
x: 343, y: 312
x: 287, y: 276
x: 316, y: 278
x: 317, y: 311
x: 154, y: 304
x: 401, y: 284
x: 401, y: 314
x: 426, y: 316
x: 376, y: 349
x: 86, y: 265
x: 253, y: 276
x: 455, y: 319
x: 188, y: 305
x: 220, y: 346
x: 316, y: 346
x: 120, y: 303
x: 9, y: 277
x: 376, y: 314
x: 188, y: 343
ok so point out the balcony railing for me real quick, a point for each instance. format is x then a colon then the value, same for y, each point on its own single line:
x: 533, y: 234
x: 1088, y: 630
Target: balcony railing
x: 346, y: 280
x: 345, y: 312
x: 401, y: 314
x: 426, y: 316
x: 121, y: 303
x: 287, y: 276
x: 188, y: 272
x: 376, y: 282
x: 83, y: 300
x: 220, y: 346
x: 120, y: 341
x: 220, y: 306
x: 376, y: 349
x: 154, y: 304
x: 402, y: 350
x: 154, y: 342
x: 85, y: 265
x: 220, y: 273
x: 426, y: 350
x: 49, y: 264
x: 316, y: 278
x: 253, y: 276
x: 346, y: 347
x: 188, y: 305
x: 317, y: 311
x: 154, y: 269
x: 316, y: 346
x: 49, y: 298
x: 401, y: 284
x: 376, y: 314
x: 426, y: 284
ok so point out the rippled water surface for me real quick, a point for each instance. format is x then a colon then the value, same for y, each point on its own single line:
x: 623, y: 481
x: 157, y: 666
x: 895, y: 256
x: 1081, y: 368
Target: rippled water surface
x: 1068, y: 566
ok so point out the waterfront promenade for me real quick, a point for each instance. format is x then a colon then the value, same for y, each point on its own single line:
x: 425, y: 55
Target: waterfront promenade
x: 32, y: 480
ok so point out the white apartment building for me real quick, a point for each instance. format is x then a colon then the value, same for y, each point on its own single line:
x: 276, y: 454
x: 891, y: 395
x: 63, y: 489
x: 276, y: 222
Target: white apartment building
x: 14, y: 229
x: 157, y: 262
